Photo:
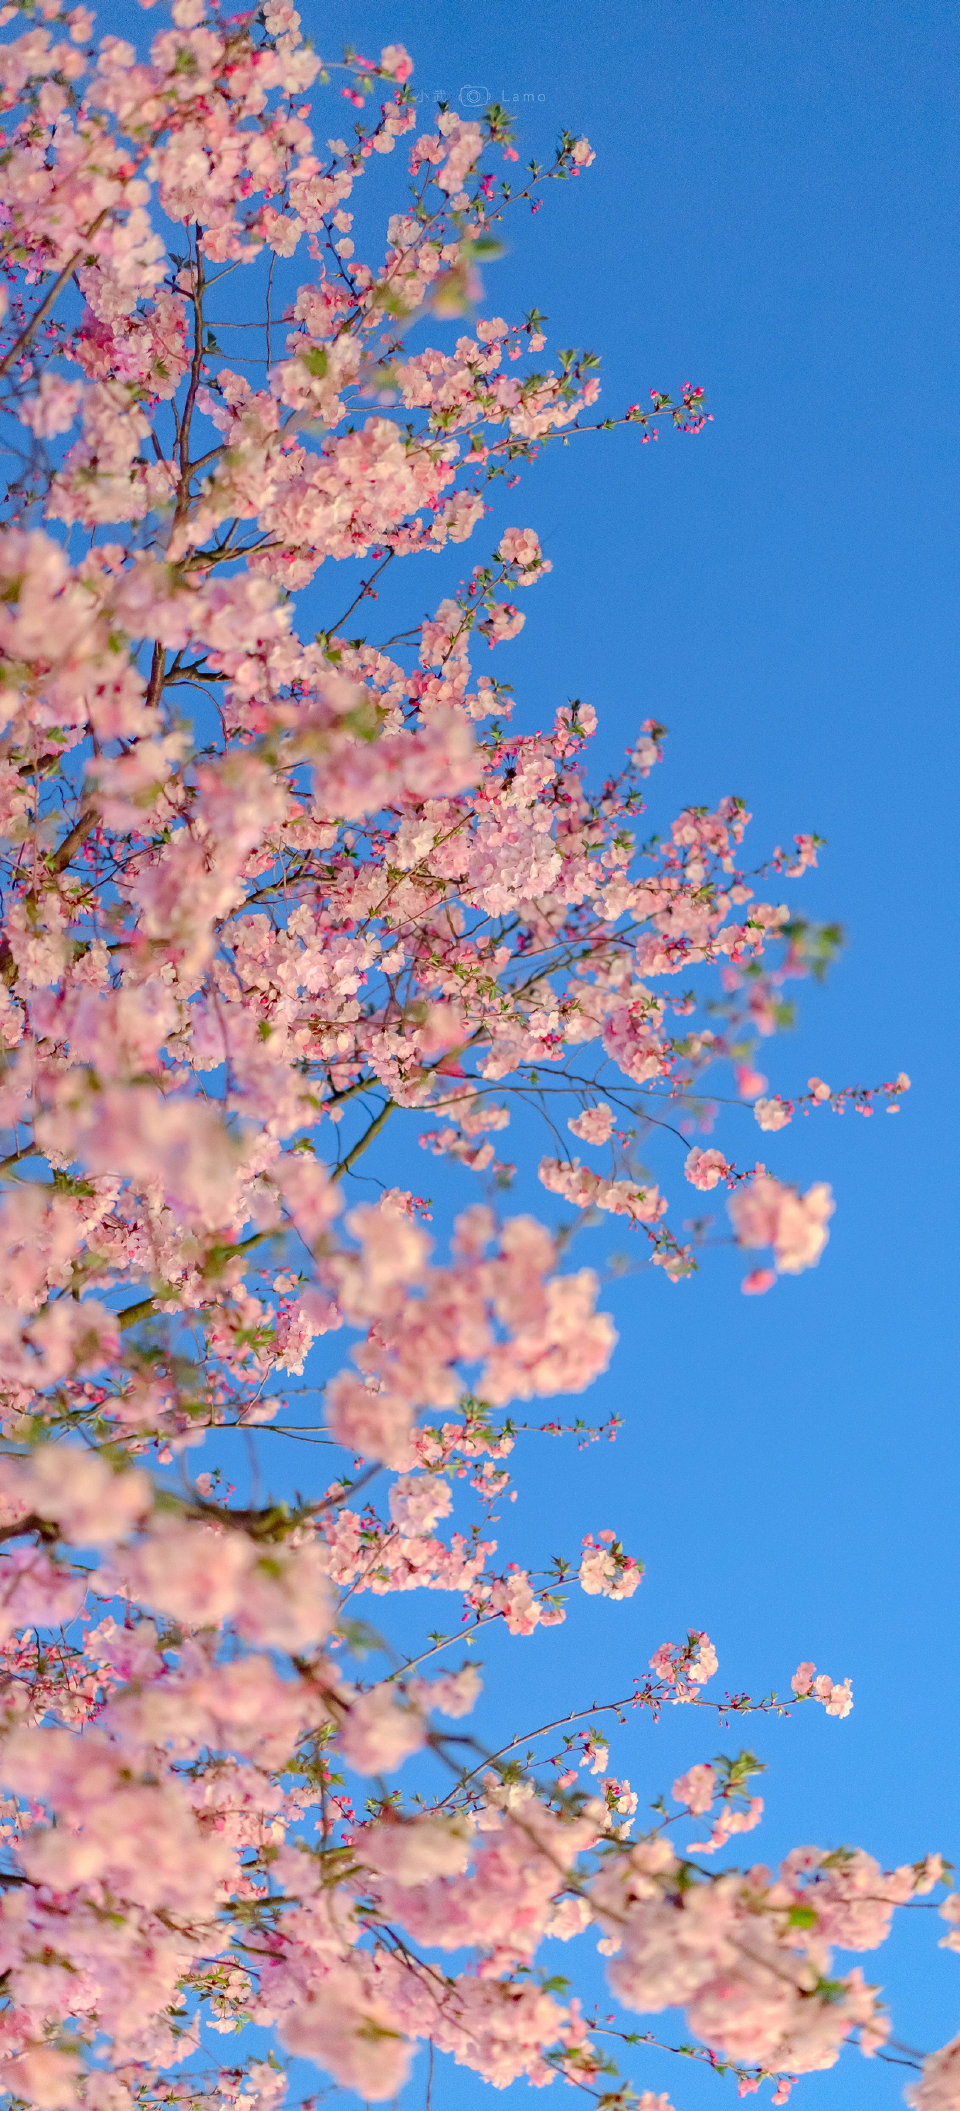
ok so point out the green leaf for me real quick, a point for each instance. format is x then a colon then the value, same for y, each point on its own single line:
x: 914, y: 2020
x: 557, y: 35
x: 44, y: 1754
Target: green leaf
x: 361, y: 1639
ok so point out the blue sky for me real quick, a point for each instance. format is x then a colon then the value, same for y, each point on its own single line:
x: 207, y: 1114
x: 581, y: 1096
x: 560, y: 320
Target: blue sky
x: 773, y: 213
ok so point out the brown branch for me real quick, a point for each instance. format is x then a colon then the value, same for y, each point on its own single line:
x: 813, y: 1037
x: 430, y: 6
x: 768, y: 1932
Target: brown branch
x: 27, y: 335
x: 196, y: 365
x: 346, y: 1164
x: 60, y: 858
x: 131, y: 1314
x: 48, y: 1531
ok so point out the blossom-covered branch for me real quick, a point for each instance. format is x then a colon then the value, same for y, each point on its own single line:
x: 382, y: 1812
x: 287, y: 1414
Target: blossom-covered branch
x: 273, y: 895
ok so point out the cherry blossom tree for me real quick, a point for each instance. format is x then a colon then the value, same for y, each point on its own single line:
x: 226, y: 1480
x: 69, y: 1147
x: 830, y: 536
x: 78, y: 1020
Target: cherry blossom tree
x: 268, y: 898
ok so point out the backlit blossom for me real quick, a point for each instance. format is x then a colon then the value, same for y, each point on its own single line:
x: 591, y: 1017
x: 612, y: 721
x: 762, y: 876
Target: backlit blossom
x: 350, y: 2036
x: 193, y: 1572
x: 835, y: 1697
x: 279, y: 904
x: 772, y: 1113
x: 696, y: 1788
x: 594, y: 1124
x: 395, y: 60
x: 377, y: 1732
x: 412, y: 1853
x: 767, y: 1213
x: 704, y: 1169
x: 939, y: 2086
x: 605, y: 1571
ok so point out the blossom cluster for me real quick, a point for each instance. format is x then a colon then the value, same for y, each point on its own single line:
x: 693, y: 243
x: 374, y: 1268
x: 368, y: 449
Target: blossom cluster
x: 262, y: 893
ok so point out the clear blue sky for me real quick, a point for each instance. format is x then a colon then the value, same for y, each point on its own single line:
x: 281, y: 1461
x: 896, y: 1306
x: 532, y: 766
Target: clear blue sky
x: 773, y: 213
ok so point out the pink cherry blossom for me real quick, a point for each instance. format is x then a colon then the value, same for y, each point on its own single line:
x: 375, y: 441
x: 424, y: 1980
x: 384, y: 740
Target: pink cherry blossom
x: 193, y: 1572
x: 377, y: 1732
x: 605, y: 1571
x: 939, y: 2086
x: 696, y: 1788
x: 594, y: 1124
x: 835, y: 1697
x: 396, y: 61
x: 351, y: 2036
x: 729, y: 1820
x: 287, y: 1602
x: 413, y: 1852
x: 520, y: 547
x: 772, y: 1113
x: 78, y: 1491
x: 277, y: 904
x: 758, y: 1282
x: 704, y: 1169
x: 767, y: 1213
x: 43, y: 2075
